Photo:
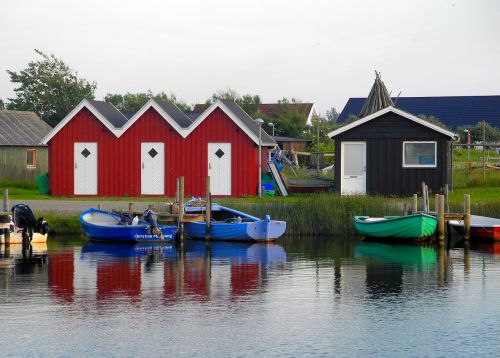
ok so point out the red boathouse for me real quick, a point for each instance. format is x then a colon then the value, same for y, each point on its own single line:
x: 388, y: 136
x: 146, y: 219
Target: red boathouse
x: 98, y: 151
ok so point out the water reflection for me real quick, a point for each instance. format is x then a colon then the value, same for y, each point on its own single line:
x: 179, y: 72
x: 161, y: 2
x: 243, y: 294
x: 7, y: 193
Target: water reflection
x: 186, y: 272
x: 386, y: 265
x: 421, y: 257
x: 340, y: 296
x: 201, y: 272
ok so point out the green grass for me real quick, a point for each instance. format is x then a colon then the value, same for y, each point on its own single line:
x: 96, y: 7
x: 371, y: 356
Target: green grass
x: 317, y: 214
x: 473, y: 178
x: 61, y: 224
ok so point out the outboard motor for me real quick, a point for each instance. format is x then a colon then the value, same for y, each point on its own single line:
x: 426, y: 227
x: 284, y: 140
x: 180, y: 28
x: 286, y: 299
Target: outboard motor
x: 152, y: 219
x: 24, y: 219
x: 23, y: 216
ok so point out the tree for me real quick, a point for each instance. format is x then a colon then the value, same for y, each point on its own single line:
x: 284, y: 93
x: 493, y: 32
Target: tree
x: 288, y: 121
x: 49, y: 87
x: 332, y: 115
x: 492, y: 134
x: 433, y: 120
x: 325, y: 127
x: 351, y: 118
x: 132, y: 102
x: 2, y: 105
x: 249, y: 103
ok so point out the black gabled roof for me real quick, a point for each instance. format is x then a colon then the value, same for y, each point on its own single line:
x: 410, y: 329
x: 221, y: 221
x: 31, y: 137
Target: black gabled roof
x: 110, y: 112
x: 175, y: 113
x: 22, y: 129
x: 249, y: 122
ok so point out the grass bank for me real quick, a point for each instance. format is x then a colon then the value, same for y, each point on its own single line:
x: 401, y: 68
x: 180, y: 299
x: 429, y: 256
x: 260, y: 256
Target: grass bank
x: 318, y: 214
x: 61, y: 224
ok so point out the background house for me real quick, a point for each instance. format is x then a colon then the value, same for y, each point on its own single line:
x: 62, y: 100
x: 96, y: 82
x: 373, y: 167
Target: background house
x: 22, y: 157
x: 97, y: 150
x: 295, y: 144
x: 270, y: 110
x: 453, y: 111
x: 391, y: 152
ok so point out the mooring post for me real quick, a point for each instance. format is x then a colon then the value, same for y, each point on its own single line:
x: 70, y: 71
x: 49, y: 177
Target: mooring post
x: 427, y: 201
x: 446, y: 202
x: 130, y: 209
x: 440, y: 217
x: 467, y: 216
x: 424, y: 199
x: 208, y: 210
x: 6, y: 209
x: 177, y: 190
x: 181, y: 207
x: 414, y: 204
x: 6, y: 200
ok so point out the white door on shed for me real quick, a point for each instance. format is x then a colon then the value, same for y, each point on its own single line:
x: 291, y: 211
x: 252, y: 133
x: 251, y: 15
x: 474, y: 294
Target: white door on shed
x: 85, y: 168
x: 353, y: 169
x: 153, y: 168
x: 219, y: 168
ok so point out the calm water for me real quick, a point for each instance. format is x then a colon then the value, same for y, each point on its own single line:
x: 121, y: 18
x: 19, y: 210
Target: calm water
x: 299, y: 297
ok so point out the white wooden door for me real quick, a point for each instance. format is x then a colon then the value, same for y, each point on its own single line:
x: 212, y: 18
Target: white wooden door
x: 353, y: 169
x: 219, y: 168
x: 152, y: 168
x: 85, y: 168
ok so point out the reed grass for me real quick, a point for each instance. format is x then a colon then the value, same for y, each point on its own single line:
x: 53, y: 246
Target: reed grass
x: 60, y: 224
x: 319, y: 214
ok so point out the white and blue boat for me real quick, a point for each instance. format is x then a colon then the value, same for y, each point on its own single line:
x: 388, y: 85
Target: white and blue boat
x: 233, y: 225
x: 108, y: 226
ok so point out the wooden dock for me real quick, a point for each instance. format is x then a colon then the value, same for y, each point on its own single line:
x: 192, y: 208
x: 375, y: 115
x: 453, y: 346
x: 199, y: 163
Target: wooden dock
x: 442, y: 213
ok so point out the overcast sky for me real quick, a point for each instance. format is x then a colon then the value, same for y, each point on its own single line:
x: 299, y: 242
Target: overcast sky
x: 320, y: 51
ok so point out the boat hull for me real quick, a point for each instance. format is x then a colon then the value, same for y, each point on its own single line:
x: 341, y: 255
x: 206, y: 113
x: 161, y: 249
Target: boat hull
x: 234, y: 225
x: 122, y: 233
x: 409, y: 227
x: 482, y: 227
x: 262, y: 230
x: 17, y: 238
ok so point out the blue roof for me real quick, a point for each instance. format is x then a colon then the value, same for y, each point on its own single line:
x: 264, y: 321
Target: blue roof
x: 452, y: 111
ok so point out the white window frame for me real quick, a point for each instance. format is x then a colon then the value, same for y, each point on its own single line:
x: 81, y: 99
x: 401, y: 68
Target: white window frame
x: 420, y: 165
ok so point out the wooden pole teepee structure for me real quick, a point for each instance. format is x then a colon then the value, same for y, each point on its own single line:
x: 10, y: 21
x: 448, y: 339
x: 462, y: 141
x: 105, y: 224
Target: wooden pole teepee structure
x: 379, y: 98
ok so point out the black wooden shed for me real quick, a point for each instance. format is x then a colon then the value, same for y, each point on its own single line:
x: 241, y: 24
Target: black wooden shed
x: 391, y: 152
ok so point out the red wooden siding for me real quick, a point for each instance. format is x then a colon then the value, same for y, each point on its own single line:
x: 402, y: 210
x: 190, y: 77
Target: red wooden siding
x: 119, y: 159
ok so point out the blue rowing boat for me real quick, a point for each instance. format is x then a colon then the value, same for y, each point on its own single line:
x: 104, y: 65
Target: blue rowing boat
x: 108, y: 226
x: 233, y: 225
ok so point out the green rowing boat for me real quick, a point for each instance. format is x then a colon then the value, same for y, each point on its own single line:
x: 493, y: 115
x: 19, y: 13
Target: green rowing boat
x: 415, y: 226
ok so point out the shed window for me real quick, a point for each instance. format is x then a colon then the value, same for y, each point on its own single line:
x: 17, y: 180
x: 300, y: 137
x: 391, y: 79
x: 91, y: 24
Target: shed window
x: 31, y: 158
x: 419, y: 154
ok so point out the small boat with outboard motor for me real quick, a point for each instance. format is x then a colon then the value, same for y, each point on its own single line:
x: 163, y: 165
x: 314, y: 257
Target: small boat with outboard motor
x: 109, y: 226
x: 23, y: 226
